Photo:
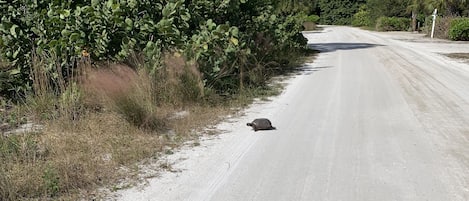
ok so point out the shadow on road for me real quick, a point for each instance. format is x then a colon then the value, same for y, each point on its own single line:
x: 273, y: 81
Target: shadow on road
x: 308, y: 70
x: 331, y: 47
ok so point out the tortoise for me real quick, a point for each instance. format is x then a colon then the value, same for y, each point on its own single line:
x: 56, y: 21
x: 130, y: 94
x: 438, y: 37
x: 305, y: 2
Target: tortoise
x: 261, y: 124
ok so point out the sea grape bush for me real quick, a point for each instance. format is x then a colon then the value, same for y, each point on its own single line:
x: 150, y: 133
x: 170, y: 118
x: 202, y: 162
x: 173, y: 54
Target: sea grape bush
x: 216, y: 34
x: 459, y: 29
x: 393, y: 24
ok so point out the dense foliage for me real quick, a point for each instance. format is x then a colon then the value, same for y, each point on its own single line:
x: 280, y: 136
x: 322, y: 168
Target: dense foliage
x: 307, y: 6
x: 338, y: 12
x: 392, y: 24
x: 362, y: 17
x: 459, y: 29
x: 389, y: 15
x: 387, y: 8
x: 313, y: 19
x: 106, y: 29
x: 230, y: 39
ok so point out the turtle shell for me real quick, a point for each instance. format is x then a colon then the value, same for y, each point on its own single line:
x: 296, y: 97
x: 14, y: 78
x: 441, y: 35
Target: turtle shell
x: 261, y: 124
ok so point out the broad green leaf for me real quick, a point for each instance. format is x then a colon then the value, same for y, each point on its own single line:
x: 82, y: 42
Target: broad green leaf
x: 109, y: 3
x: 13, y: 30
x: 115, y: 7
x: 94, y: 3
x: 186, y: 16
x: 132, y: 3
x: 234, y: 31
x: 163, y: 26
x: 53, y: 43
x: 15, y: 71
x: 36, y: 31
x: 78, y: 11
x: 223, y: 27
x: 74, y: 37
x: 273, y: 18
x: 169, y: 10
x: 2, y: 27
x: 50, y: 13
x: 15, y: 54
x: 234, y: 41
x: 150, y: 44
x: 211, y: 24
x: 66, y: 12
x: 129, y: 22
x: 65, y: 33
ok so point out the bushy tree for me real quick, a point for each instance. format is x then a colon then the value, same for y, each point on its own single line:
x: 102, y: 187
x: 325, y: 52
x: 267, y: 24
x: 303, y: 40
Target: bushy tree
x: 459, y: 29
x: 289, y: 6
x: 388, y: 8
x: 225, y: 37
x: 448, y: 7
x: 362, y: 17
x: 338, y: 12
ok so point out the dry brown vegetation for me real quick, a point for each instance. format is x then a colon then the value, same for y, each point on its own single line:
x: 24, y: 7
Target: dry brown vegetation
x: 309, y: 26
x: 442, y: 27
x: 462, y: 56
x: 102, y: 122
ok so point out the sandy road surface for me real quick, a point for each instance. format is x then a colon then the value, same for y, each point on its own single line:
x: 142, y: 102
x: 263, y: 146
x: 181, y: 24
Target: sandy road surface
x: 377, y: 116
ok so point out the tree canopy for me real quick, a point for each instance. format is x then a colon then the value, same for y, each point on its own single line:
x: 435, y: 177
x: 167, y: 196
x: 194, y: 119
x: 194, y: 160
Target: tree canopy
x: 341, y: 11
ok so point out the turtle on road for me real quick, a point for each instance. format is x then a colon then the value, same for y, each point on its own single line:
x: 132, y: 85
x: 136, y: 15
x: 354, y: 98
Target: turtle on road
x: 261, y: 124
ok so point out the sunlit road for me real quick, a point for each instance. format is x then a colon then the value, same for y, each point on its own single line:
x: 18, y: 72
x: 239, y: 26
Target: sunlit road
x: 377, y: 116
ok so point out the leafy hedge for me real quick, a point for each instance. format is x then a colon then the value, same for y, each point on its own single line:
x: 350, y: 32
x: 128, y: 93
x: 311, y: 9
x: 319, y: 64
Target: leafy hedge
x: 362, y: 17
x: 229, y: 39
x: 459, y: 29
x: 106, y: 29
x: 313, y: 18
x: 393, y: 24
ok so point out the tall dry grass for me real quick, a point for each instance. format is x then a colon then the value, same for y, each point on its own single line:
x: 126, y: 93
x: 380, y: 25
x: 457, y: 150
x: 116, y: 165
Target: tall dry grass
x: 124, y: 90
x: 179, y: 82
x: 56, y: 91
x: 60, y: 163
x: 309, y: 26
x: 101, y: 121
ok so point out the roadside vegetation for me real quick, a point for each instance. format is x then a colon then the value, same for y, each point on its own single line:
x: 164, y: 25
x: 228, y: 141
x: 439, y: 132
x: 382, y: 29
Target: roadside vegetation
x: 397, y: 15
x: 415, y: 15
x: 101, y: 86
x: 393, y: 15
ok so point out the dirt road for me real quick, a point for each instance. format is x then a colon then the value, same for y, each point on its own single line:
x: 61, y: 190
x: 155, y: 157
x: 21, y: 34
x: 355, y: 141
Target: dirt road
x: 377, y: 116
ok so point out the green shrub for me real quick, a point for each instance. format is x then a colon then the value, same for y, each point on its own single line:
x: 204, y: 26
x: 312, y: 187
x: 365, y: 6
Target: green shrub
x: 361, y: 18
x: 108, y: 30
x: 214, y: 33
x: 459, y: 29
x: 393, y: 24
x: 231, y: 46
x: 310, y: 22
x: 313, y: 18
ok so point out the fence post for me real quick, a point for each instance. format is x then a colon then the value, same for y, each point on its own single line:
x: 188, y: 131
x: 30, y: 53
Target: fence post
x: 434, y: 20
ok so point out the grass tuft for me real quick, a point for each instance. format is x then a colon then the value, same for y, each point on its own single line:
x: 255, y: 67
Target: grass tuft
x: 106, y: 119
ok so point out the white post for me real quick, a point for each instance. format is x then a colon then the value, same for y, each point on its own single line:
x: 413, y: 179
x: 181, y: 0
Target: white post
x: 434, y: 20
